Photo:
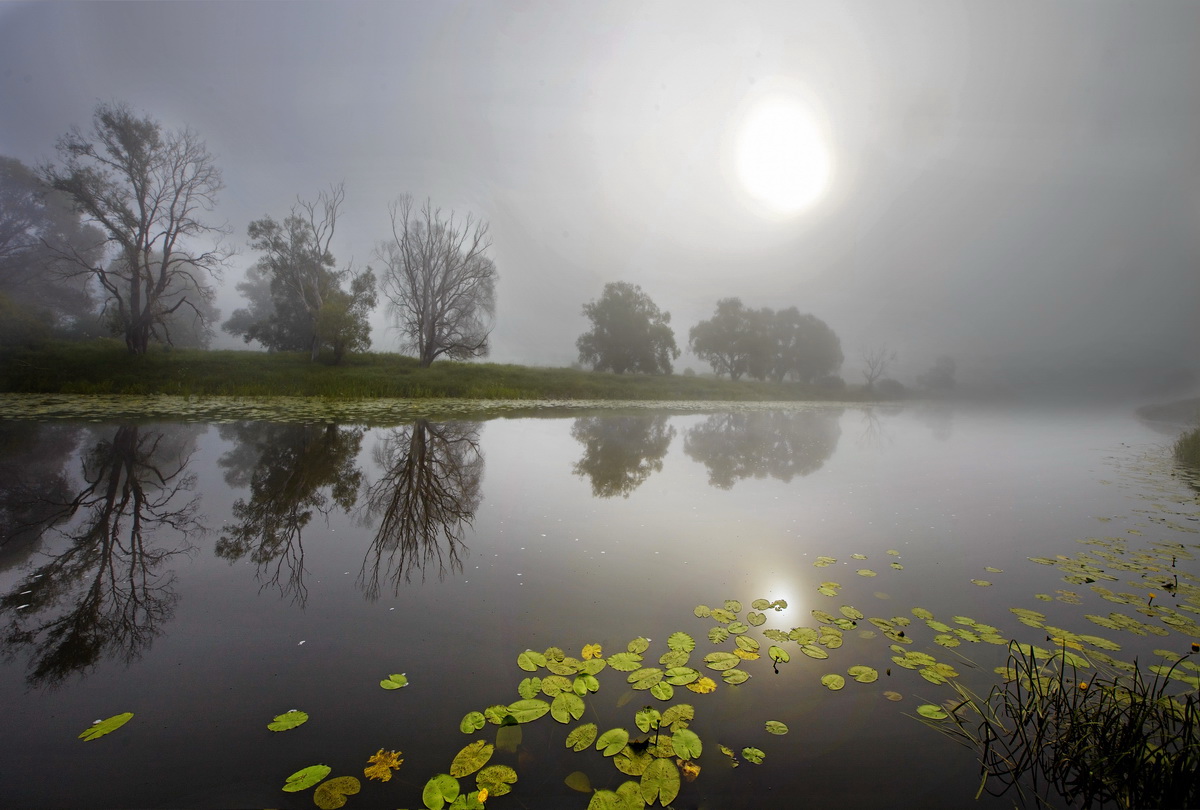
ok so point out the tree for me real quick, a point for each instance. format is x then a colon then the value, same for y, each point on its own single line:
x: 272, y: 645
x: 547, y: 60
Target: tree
x: 190, y: 327
x: 296, y: 279
x: 146, y: 188
x: 440, y: 287
x: 774, y: 444
x: 940, y: 377
x: 37, y: 224
x: 725, y: 341
x: 876, y: 361
x: 620, y: 452
x: 804, y: 347
x: 629, y: 333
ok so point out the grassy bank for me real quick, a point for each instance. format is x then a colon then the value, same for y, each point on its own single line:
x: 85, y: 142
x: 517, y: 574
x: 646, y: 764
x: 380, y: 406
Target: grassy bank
x: 1187, y: 447
x: 104, y: 367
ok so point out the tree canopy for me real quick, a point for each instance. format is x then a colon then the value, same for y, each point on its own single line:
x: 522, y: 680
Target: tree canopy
x: 629, y: 332
x: 765, y: 344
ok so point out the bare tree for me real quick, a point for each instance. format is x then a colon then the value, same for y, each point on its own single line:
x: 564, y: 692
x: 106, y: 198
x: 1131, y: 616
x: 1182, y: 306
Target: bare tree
x: 440, y: 287
x: 876, y: 360
x: 146, y: 188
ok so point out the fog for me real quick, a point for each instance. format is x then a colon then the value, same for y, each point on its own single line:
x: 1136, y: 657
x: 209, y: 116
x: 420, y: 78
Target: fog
x: 1014, y: 185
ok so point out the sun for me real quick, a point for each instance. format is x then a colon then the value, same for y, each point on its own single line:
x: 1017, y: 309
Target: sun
x: 782, y: 159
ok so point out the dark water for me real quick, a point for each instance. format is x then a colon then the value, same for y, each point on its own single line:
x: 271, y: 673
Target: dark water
x: 210, y: 577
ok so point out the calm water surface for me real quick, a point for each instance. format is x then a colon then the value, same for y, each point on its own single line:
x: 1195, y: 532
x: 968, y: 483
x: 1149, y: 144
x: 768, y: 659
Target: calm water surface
x: 209, y: 577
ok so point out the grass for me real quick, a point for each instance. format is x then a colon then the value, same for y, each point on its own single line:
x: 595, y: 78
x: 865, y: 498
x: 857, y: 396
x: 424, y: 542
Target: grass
x: 104, y: 367
x: 1116, y: 738
x: 1187, y: 447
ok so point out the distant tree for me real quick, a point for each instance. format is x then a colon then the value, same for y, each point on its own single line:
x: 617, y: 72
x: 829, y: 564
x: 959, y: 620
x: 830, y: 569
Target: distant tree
x: 940, y: 377
x: 146, y: 188
x: 804, y: 346
x: 620, y: 452
x: 37, y: 225
x: 439, y: 284
x: 629, y: 333
x: 190, y: 327
x: 876, y: 362
x: 295, y: 279
x: 725, y: 340
x: 771, y: 444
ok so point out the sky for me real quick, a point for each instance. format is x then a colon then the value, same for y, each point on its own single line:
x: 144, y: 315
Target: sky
x: 1015, y: 185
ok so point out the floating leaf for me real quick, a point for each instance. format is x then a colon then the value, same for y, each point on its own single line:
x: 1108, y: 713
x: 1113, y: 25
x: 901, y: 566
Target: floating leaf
x: 282, y: 722
x: 722, y: 615
x: 528, y: 688
x: 829, y: 588
x: 803, y: 635
x: 754, y: 755
x: 733, y: 606
x: 893, y: 695
x: 681, y: 676
x: 735, y: 676
x: 718, y: 634
x: 591, y: 651
x: 663, y: 690
x: 496, y: 779
x: 638, y: 645
x: 702, y: 611
x: 582, y: 736
x: 833, y: 682
x: 778, y: 654
x: 893, y: 552
x: 776, y: 727
x: 625, y: 661
x: 686, y: 743
x: 567, y: 666
x: 579, y: 781
x: 526, y: 711
x: 439, y: 790
x: 661, y: 781
x: 678, y: 716
x: 946, y: 640
x: 645, y: 678
x: 822, y: 616
x: 865, y: 572
x: 97, y: 730
x: 703, y: 686
x: 681, y: 642
x: 566, y: 706
x: 721, y: 660
x: 471, y: 758
x: 332, y: 794
x: 897, y: 566
x: 756, y: 619
x: 394, y: 681
x: 932, y: 712
x: 584, y: 684
x: 497, y: 715
x: 983, y: 583
x: 553, y: 686
x: 922, y: 613
x: 851, y: 612
x: 611, y: 742
x: 863, y: 674
x: 632, y: 763
x: 992, y: 570
x: 381, y: 764
x: 674, y: 658
x: 737, y: 628
x: 760, y: 604
x: 647, y: 718
x: 593, y: 666
x: 530, y: 661
x: 813, y: 651
x: 305, y: 778
x: 746, y: 643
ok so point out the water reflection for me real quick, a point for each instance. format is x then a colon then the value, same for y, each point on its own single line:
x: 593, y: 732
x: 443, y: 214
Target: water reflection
x: 775, y: 444
x: 33, y: 480
x: 293, y: 472
x: 105, y: 590
x: 425, y: 501
x: 620, y: 452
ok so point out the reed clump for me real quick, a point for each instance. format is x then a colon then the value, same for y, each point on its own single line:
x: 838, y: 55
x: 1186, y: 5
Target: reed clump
x: 1187, y: 447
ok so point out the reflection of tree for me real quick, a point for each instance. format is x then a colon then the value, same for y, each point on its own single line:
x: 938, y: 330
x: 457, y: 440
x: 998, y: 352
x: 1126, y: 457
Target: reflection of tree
x: 33, y: 480
x: 293, y: 471
x: 778, y: 444
x: 106, y: 594
x: 620, y: 452
x: 425, y: 501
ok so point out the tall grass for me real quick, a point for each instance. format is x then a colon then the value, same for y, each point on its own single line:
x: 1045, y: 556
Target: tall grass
x: 1187, y: 447
x: 104, y: 367
x: 1115, y: 739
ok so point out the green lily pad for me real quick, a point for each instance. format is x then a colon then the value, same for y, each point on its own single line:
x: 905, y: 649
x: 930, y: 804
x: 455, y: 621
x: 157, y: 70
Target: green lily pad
x: 760, y: 604
x: 638, y: 645
x: 932, y: 712
x: 553, y: 686
x: 645, y: 678
x: 754, y: 755
x: 678, y: 716
x: 702, y: 611
x: 579, y: 781
x: 496, y: 779
x: 529, y: 688
x: 865, y: 572
x: 472, y: 722
x: 776, y: 727
x: 661, y: 781
x: 863, y: 674
x: 674, y: 658
x: 756, y: 619
x: 890, y: 695
x: 582, y: 737
x: 686, y: 743
x: 647, y: 718
x: 893, y: 552
x: 97, y: 730
x: 824, y: 562
x: 718, y: 634
x: 735, y: 676
x: 305, y: 778
x: 721, y: 660
x: 282, y: 722
x: 530, y: 660
x: 471, y: 758
x: 803, y: 635
x: 332, y: 794
x: 813, y: 651
x: 439, y: 790
x: 612, y: 741
x: 733, y: 606
x: 778, y: 654
x: 746, y: 643
x: 851, y: 612
x: 681, y: 676
x: 497, y: 715
x: 526, y: 711
x: 922, y: 613
x: 946, y: 640
x: 681, y: 642
x: 584, y: 684
x: 566, y: 706
x: 625, y: 661
x: 829, y: 588
x: 394, y: 681
x: 722, y: 615
x: 737, y: 628
x: 983, y: 583
x: 662, y: 690
x: 833, y: 682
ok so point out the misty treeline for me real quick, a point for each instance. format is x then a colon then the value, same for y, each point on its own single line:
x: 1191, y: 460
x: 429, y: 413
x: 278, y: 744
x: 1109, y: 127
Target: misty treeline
x: 118, y: 237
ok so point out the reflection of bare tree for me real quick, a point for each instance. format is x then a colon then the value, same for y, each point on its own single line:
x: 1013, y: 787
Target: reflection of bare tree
x: 620, y: 452
x: 106, y: 593
x: 779, y: 444
x: 293, y: 471
x: 33, y: 479
x: 425, y: 501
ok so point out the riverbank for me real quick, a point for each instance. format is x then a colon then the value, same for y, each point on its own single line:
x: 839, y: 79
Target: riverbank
x: 104, y: 367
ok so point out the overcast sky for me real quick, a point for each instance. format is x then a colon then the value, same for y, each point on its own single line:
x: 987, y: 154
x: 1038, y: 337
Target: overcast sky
x: 1013, y: 184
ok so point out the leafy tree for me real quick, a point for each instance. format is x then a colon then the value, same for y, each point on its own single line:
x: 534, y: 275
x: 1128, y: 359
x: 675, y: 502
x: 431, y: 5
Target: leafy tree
x: 804, y: 347
x: 725, y: 341
x: 296, y: 279
x: 763, y: 343
x: 146, y: 188
x: 629, y: 332
x: 772, y: 444
x: 189, y: 327
x: 37, y: 226
x: 440, y: 285
x: 620, y: 452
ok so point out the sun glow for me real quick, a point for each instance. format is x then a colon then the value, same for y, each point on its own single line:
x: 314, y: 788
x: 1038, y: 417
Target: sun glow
x: 782, y: 159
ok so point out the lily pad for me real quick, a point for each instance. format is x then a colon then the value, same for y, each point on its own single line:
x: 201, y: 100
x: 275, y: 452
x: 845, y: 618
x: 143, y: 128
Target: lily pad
x: 566, y: 706
x: 863, y: 674
x: 529, y: 688
x: 681, y: 642
x: 760, y: 604
x: 579, y: 781
x: 890, y: 695
x: 638, y: 645
x: 702, y: 611
x: 756, y: 619
x: 833, y: 682
x: 733, y: 606
x: 305, y: 778
x: 526, y: 711
x: 721, y: 660
x: 471, y: 722
x: 932, y: 712
x: 97, y: 730
x: 647, y: 718
x: 678, y: 716
x: 686, y: 743
x: 735, y: 676
x: 439, y: 790
x: 778, y: 654
x: 865, y: 572
x: 754, y: 755
x: 530, y: 660
x: 282, y: 722
x: 582, y: 737
x: 332, y: 794
x: 496, y: 779
x: 718, y: 634
x: 681, y: 676
x: 662, y: 690
x: 396, y: 681
x: 661, y: 781
x: 625, y: 661
x: 645, y: 678
x: 813, y: 651
x: 471, y: 758
x: 612, y: 741
x: 776, y: 727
